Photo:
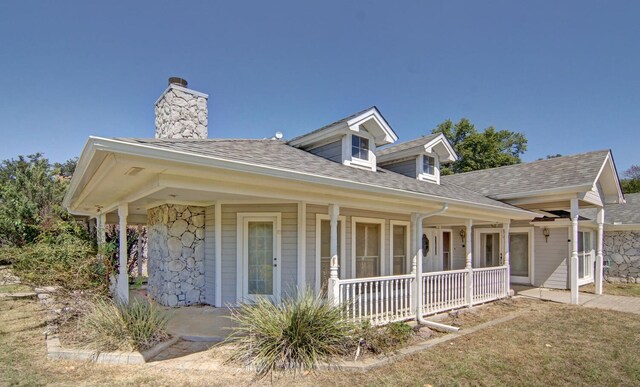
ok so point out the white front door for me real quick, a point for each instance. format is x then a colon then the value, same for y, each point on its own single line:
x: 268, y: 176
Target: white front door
x: 259, y: 245
x: 431, y: 260
x: 521, y: 255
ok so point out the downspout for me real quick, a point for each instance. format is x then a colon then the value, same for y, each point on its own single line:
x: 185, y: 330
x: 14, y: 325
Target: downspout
x: 418, y: 279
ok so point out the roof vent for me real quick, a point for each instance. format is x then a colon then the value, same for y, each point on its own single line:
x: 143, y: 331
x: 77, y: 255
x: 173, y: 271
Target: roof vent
x: 178, y: 81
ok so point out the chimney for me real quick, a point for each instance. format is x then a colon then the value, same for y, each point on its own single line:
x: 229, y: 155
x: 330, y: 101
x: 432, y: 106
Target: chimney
x: 181, y: 112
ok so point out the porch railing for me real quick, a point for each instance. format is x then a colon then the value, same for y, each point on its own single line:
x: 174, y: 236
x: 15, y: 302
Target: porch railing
x: 383, y: 300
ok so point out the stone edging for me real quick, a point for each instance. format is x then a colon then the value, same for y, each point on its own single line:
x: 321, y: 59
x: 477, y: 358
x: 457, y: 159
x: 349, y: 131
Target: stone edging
x: 366, y: 365
x: 55, y: 351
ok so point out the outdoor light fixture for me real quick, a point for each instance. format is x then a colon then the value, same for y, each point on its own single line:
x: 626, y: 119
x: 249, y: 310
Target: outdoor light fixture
x: 546, y: 233
x: 463, y: 234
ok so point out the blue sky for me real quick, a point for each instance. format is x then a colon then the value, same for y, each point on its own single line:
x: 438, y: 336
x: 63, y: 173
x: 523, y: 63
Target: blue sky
x: 566, y: 73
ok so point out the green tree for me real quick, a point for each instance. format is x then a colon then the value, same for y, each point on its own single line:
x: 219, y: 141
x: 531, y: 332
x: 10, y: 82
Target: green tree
x: 31, y: 192
x: 631, y: 182
x: 480, y: 150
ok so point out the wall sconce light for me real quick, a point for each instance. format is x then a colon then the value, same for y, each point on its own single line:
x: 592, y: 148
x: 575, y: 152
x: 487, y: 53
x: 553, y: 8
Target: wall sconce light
x: 463, y: 234
x: 546, y: 233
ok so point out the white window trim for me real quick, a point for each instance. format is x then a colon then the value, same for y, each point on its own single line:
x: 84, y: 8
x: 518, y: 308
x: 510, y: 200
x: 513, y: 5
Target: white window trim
x: 422, y: 175
x: 477, y: 243
x: 393, y: 223
x: 381, y: 222
x: 587, y: 279
x: 343, y: 235
x: 532, y: 244
x: 348, y: 159
x: 242, y: 268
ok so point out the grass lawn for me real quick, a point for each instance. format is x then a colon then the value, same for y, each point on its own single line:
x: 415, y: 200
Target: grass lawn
x: 631, y: 290
x: 550, y: 344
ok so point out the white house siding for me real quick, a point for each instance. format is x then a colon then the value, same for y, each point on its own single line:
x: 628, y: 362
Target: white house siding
x: 209, y: 255
x: 288, y: 260
x: 550, y: 262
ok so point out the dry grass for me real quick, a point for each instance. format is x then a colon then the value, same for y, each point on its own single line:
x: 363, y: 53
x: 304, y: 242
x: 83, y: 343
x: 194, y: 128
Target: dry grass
x: 554, y: 345
x: 15, y: 288
x: 630, y: 290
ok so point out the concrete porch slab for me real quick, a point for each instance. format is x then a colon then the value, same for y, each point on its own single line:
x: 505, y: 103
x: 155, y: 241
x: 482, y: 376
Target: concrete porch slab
x: 199, y: 323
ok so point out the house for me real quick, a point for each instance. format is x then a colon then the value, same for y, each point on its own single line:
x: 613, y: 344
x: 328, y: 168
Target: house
x: 345, y: 209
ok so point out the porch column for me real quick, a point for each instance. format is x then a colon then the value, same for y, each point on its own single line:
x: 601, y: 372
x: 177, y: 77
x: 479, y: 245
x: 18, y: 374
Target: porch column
x: 101, y: 222
x: 139, y: 263
x: 469, y: 263
x: 506, y: 227
x: 333, y: 286
x: 599, y: 245
x: 416, y: 264
x: 122, y: 288
x: 573, y: 266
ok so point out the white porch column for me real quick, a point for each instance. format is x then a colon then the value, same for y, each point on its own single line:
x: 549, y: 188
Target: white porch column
x: 573, y: 266
x: 101, y: 222
x: 122, y: 289
x: 506, y: 257
x: 416, y: 264
x: 139, y: 251
x: 469, y: 263
x: 333, y: 286
x: 599, y: 245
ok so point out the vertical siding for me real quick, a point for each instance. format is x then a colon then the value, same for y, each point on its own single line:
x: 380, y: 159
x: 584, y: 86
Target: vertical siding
x: 406, y: 167
x: 289, y: 244
x: 331, y: 151
x: 209, y: 255
x: 550, y: 261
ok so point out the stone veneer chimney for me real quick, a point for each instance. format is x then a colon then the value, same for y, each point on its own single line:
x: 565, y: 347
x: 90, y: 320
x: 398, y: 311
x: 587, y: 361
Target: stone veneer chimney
x: 181, y: 112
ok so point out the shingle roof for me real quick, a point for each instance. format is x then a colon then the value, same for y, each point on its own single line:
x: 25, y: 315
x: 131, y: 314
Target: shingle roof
x: 567, y: 171
x: 342, y: 120
x: 277, y: 154
x: 406, y: 145
x: 628, y: 213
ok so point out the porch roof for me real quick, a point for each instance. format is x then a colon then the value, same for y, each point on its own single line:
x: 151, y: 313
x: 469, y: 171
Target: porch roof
x: 619, y: 214
x: 279, y: 155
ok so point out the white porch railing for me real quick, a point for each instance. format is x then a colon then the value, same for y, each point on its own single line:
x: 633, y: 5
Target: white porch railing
x: 489, y: 283
x: 383, y: 300
x: 443, y: 290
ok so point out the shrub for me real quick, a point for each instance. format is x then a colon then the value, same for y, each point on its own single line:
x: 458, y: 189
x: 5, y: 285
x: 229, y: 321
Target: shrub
x: 60, y: 256
x: 297, y: 334
x: 383, y: 339
x: 110, y: 325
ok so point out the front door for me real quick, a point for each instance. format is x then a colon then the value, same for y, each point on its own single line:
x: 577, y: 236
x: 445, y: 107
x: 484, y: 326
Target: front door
x: 488, y: 248
x: 430, y: 257
x: 260, y: 257
x: 520, y: 257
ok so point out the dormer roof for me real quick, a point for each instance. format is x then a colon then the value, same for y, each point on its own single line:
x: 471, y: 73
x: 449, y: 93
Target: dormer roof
x: 370, y: 119
x: 432, y: 143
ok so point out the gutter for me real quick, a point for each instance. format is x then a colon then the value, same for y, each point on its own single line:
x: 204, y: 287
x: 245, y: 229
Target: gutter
x: 418, y: 230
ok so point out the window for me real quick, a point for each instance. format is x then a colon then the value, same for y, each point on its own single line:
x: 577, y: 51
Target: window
x: 584, y: 254
x: 428, y: 165
x: 359, y: 147
x: 399, y: 250
x: 367, y: 250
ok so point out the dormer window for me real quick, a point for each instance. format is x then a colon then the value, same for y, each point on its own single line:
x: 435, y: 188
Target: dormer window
x: 359, y: 147
x: 428, y: 165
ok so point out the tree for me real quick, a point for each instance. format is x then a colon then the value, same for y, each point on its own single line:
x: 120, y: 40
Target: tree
x: 480, y: 150
x: 31, y: 192
x: 631, y: 182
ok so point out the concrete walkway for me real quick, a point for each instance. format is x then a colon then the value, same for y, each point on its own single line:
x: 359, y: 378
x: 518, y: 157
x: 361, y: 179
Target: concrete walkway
x: 604, y: 301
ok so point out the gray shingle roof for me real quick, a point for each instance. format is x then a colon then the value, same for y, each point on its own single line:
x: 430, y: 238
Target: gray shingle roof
x: 342, y: 120
x: 567, y: 171
x: 406, y: 145
x: 277, y: 154
x: 628, y: 213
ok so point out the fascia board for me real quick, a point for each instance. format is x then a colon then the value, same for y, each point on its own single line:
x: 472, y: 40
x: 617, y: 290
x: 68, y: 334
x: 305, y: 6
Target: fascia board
x: 87, y: 155
x: 110, y: 145
x: 389, y: 135
x: 545, y: 192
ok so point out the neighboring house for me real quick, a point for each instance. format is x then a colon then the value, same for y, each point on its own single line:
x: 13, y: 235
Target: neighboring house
x: 344, y: 209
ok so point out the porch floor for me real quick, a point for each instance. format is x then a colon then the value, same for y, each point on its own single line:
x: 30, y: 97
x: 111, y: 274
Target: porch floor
x: 603, y: 301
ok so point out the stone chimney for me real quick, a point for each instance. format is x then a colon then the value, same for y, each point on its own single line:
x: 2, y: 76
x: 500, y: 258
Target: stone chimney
x: 181, y: 112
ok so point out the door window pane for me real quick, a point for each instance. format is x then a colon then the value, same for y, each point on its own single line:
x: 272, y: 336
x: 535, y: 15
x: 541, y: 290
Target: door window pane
x: 446, y: 250
x: 367, y: 250
x: 490, y: 250
x: 399, y: 250
x: 325, y: 252
x: 260, y: 257
x: 519, y: 254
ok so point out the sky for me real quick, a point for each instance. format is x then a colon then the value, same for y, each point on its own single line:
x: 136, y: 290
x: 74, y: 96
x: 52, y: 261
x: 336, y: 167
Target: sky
x: 564, y: 73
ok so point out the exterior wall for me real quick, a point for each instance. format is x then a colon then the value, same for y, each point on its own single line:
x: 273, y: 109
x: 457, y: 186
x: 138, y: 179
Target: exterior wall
x: 551, y: 258
x: 209, y: 255
x: 331, y: 151
x: 176, y: 254
x: 622, y: 251
x: 288, y: 260
x: 459, y: 253
x: 181, y: 113
x: 406, y: 167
